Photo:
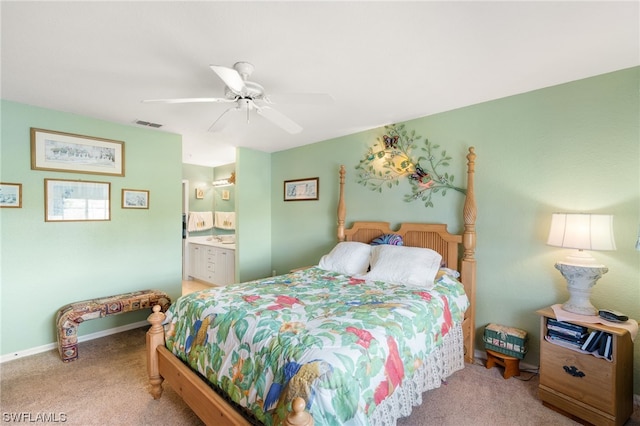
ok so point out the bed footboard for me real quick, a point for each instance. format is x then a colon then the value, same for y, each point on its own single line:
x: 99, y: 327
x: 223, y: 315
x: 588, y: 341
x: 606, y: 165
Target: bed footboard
x: 205, y: 403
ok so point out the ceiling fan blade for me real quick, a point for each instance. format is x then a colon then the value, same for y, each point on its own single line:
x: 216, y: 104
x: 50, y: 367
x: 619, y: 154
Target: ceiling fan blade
x: 231, y: 78
x: 222, y: 120
x: 188, y: 100
x: 279, y: 119
x: 300, y: 98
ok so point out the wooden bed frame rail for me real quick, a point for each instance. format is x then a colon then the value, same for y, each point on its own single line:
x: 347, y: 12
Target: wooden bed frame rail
x: 212, y: 409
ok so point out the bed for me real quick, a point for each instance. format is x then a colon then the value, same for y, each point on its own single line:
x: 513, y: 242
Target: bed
x: 337, y: 343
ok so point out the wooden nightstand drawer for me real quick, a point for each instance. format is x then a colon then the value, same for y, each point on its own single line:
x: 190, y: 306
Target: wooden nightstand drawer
x: 582, y: 377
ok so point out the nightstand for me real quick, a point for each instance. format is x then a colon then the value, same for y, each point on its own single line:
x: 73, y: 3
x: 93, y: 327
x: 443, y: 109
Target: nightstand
x: 579, y: 384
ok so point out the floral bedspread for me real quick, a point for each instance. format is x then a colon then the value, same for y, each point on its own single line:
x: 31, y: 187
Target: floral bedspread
x: 343, y: 344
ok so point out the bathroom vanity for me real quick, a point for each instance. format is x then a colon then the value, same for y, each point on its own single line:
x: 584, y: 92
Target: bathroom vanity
x: 212, y: 260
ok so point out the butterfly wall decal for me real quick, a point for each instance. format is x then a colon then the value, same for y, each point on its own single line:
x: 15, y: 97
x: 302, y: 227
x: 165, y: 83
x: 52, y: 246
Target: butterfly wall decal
x: 421, y: 177
x: 390, y: 141
x: 419, y: 174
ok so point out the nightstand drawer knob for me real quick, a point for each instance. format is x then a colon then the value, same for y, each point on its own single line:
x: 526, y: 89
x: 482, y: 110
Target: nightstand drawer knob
x: 573, y: 371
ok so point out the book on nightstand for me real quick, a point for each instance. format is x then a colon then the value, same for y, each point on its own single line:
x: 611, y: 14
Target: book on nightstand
x: 598, y: 343
x: 591, y: 343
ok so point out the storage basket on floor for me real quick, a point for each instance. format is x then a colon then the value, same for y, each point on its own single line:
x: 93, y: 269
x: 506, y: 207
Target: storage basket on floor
x: 506, y: 340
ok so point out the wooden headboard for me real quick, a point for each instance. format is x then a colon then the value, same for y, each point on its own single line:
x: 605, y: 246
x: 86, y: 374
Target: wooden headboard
x: 457, y: 250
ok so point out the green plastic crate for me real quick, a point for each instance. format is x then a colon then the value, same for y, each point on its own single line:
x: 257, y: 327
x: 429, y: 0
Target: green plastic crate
x: 506, y: 340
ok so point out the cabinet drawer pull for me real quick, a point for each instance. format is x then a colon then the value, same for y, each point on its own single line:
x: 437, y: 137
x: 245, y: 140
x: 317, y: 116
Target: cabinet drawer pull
x: 573, y: 371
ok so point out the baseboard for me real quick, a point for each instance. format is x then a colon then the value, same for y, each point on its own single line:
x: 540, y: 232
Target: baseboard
x: 84, y: 338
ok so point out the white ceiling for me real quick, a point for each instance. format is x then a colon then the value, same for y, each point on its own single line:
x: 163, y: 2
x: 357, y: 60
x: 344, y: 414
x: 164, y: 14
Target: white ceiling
x: 382, y: 62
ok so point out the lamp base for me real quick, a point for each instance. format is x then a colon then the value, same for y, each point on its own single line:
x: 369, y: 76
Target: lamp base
x: 580, y: 280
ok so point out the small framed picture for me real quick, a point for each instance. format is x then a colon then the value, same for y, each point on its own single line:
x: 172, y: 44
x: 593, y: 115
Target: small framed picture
x: 11, y: 195
x: 135, y: 199
x: 199, y: 193
x: 301, y: 189
x: 225, y: 194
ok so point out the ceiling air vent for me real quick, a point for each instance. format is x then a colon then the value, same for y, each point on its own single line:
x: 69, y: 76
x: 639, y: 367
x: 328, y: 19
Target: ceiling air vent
x: 148, y: 124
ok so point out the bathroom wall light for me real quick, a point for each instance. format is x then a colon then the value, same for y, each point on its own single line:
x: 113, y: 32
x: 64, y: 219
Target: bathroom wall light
x: 221, y: 182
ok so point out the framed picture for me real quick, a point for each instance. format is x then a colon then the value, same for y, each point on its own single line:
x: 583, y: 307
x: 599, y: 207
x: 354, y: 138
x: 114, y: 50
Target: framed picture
x: 66, y: 152
x: 76, y: 200
x: 301, y: 189
x: 135, y: 199
x: 10, y: 195
x: 199, y: 193
x: 225, y: 194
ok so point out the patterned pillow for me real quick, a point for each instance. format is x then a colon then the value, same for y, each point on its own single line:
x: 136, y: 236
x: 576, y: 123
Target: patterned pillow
x: 391, y: 239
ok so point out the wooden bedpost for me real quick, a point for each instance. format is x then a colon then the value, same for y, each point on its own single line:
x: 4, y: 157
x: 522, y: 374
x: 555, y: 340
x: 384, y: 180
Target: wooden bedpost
x: 342, y: 209
x: 298, y: 417
x: 468, y: 267
x: 470, y: 209
x: 155, y: 338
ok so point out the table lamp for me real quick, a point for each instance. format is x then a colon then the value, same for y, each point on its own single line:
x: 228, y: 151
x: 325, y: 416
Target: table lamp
x: 583, y: 232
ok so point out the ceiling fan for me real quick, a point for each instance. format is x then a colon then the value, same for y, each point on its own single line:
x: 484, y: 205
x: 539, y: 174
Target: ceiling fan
x: 249, y: 96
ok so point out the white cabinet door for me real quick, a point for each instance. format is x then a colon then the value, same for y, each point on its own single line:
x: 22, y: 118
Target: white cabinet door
x: 198, y: 262
x: 225, y: 262
x: 194, y: 260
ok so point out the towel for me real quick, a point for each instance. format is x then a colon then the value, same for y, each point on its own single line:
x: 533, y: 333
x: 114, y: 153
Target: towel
x: 200, y: 221
x: 225, y: 220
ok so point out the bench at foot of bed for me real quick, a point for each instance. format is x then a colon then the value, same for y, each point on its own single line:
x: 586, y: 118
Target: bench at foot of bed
x: 70, y: 316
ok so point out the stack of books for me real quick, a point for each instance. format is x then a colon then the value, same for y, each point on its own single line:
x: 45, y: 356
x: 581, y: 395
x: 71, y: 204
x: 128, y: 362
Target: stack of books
x: 566, y: 334
x: 599, y: 343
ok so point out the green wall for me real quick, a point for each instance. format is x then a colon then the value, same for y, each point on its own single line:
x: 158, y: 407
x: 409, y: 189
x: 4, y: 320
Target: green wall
x: 572, y: 147
x: 48, y: 265
x: 253, y: 215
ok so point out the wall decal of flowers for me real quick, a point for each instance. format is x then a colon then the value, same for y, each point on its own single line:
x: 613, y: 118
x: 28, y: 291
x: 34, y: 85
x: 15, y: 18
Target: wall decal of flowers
x: 401, y: 153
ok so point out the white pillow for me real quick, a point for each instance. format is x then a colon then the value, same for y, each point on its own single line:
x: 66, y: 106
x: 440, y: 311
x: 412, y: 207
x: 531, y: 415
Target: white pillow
x: 412, y: 266
x: 347, y: 257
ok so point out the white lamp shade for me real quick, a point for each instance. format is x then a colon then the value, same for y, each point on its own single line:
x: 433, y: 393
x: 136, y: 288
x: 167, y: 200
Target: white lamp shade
x: 582, y: 231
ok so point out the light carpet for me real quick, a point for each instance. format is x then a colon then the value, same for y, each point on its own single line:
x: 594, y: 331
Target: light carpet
x: 108, y: 385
